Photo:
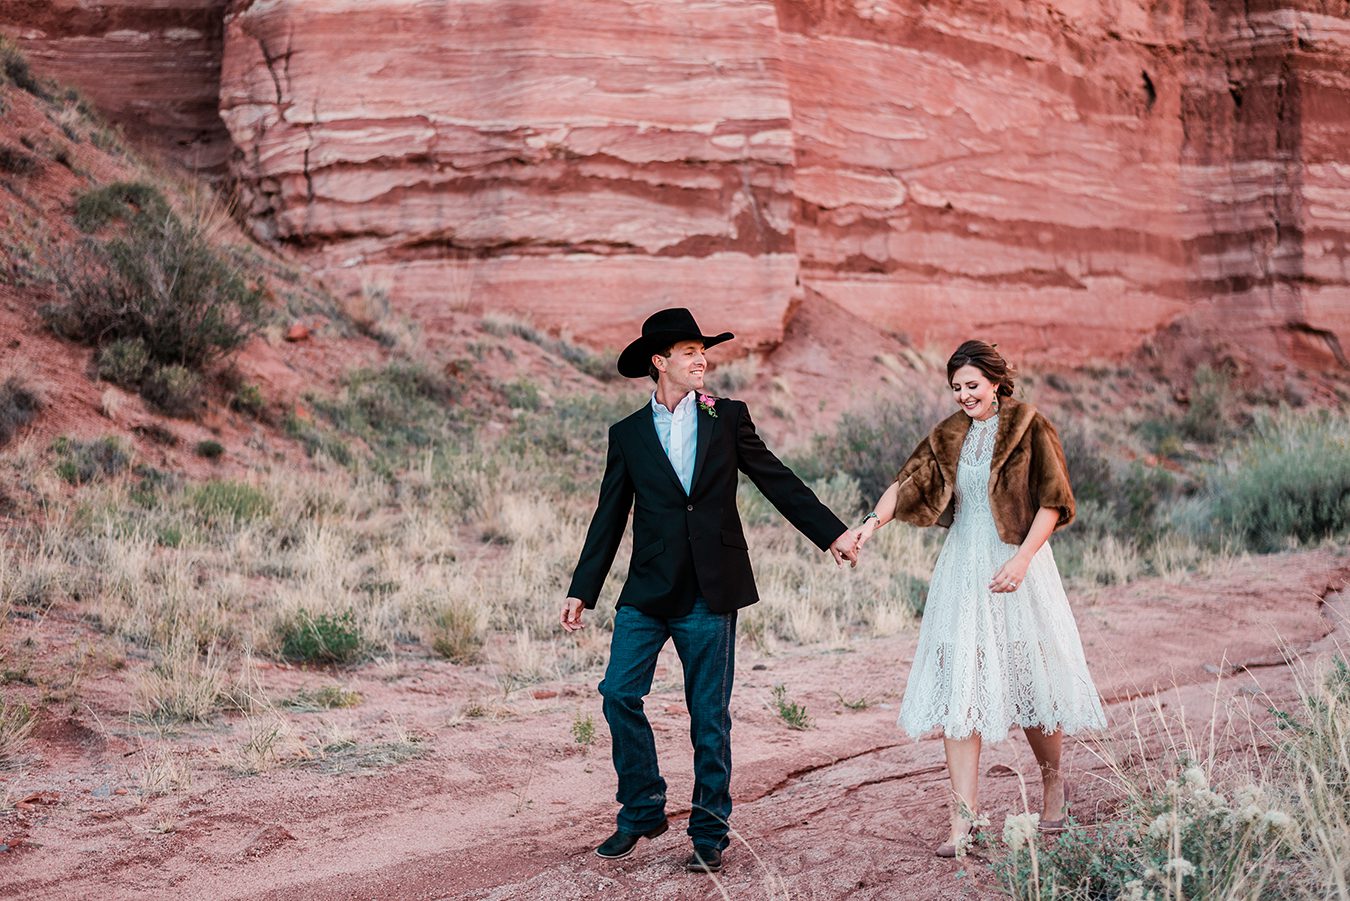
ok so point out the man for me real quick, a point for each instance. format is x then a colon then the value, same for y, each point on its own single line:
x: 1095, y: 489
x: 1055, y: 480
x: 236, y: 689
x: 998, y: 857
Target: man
x: 674, y: 463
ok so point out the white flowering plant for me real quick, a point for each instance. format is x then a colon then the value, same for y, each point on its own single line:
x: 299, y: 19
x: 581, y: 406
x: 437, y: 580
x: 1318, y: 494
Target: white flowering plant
x: 1278, y: 830
x: 1183, y: 839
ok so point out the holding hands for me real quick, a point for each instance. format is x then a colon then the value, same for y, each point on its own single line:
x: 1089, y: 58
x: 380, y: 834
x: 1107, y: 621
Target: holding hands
x: 845, y: 547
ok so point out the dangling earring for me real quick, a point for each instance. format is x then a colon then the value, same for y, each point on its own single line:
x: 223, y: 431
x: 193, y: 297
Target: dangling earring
x: 995, y: 404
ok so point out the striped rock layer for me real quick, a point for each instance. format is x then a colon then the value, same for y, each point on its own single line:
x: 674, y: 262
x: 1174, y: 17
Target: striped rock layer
x: 1073, y: 179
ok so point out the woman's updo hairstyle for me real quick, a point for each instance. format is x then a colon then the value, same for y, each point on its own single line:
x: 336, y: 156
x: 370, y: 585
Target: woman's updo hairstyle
x: 986, y: 359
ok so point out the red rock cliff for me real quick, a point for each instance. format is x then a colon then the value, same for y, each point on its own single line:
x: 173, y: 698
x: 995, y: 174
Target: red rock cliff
x: 1073, y: 178
x: 153, y: 66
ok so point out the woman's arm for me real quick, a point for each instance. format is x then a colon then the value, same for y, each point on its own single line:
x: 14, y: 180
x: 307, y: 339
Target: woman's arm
x: 885, y: 512
x: 1010, y: 575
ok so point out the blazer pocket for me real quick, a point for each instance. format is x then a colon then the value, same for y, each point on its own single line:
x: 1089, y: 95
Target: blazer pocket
x: 734, y: 539
x: 649, y: 552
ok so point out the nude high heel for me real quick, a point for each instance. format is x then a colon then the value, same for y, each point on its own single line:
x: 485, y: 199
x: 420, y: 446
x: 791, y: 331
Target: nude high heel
x: 1050, y: 827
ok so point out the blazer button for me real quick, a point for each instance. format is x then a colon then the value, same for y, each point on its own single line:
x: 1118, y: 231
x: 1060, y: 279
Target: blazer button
x: 690, y: 507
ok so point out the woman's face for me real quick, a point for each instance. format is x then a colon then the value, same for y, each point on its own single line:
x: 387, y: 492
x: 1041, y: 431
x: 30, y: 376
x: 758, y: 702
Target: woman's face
x: 974, y: 392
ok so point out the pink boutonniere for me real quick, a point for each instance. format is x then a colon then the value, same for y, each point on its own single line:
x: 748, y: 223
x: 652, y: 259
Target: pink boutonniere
x: 706, y: 402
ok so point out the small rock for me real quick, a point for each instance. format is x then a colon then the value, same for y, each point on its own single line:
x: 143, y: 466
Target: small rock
x: 119, y: 791
x: 103, y: 791
x: 543, y: 694
x: 297, y: 332
x: 758, y: 666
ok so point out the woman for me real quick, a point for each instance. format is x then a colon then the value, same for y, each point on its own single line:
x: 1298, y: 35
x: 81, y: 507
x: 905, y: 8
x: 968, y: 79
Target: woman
x: 998, y: 645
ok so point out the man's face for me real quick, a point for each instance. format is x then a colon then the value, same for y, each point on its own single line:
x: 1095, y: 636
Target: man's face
x: 685, y: 366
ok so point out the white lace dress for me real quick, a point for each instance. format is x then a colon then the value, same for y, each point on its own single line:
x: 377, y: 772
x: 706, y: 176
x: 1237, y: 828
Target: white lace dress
x: 989, y: 661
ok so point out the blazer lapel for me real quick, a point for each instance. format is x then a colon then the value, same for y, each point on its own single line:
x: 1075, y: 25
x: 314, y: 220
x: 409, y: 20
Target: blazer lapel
x: 705, y: 427
x: 646, y: 429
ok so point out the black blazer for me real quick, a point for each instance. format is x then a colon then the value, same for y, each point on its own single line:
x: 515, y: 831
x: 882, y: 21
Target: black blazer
x: 677, y: 537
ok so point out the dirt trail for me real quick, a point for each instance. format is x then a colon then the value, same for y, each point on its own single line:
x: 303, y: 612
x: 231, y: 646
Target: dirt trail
x: 507, y: 806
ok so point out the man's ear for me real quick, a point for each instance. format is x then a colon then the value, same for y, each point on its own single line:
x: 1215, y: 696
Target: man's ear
x: 659, y: 362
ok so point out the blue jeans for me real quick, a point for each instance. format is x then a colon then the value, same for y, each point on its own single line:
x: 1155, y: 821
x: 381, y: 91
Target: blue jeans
x: 706, y: 643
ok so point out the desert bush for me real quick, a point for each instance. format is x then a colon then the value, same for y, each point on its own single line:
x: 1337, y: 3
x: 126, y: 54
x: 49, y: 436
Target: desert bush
x: 597, y: 367
x: 175, y: 390
x: 229, y: 502
x: 19, y: 405
x: 403, y: 405
x: 119, y: 202
x: 14, y: 67
x: 457, y: 632
x: 159, y: 280
x: 1183, y: 839
x: 211, y: 450
x: 81, y: 462
x: 1288, y: 483
x: 871, y: 444
x: 322, y: 638
x: 317, y: 440
x: 184, y: 686
x: 249, y: 400
x: 1316, y: 743
x: 17, y: 720
x: 328, y: 697
x: 123, y: 362
x: 16, y: 162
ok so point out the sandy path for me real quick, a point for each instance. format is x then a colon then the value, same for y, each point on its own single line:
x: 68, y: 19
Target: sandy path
x: 507, y: 806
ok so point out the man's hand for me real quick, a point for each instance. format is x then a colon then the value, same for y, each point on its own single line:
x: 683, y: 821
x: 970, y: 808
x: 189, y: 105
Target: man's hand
x: 571, y: 614
x: 845, y: 547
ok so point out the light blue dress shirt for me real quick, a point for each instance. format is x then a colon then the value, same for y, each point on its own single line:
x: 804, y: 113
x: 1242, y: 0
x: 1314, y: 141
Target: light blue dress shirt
x: 678, y: 432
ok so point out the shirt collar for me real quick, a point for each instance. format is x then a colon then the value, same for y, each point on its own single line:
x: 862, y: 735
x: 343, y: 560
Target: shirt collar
x: 684, y: 403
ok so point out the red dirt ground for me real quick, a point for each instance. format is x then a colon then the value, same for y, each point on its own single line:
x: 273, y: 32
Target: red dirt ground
x: 506, y: 805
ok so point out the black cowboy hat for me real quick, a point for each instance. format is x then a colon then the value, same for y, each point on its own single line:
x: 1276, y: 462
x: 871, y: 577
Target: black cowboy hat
x: 662, y: 329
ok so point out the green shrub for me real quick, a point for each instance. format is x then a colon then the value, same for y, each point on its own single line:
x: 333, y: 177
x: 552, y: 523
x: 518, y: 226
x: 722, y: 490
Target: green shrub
x: 329, y: 697
x: 790, y: 712
x: 158, y: 280
x: 123, y: 362
x: 326, y: 638
x: 19, y: 405
x: 175, y: 390
x: 248, y: 399
x: 457, y: 633
x: 229, y: 502
x: 399, y: 406
x: 597, y: 367
x: 1183, y: 839
x: 81, y: 462
x: 122, y: 201
x: 316, y: 440
x: 871, y: 444
x: 1290, y: 482
x: 15, y: 69
x: 1207, y: 418
x: 211, y: 450
x: 16, y: 162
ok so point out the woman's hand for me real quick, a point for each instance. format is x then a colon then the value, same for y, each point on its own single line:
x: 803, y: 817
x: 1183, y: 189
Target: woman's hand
x: 1010, y: 575
x: 866, y: 531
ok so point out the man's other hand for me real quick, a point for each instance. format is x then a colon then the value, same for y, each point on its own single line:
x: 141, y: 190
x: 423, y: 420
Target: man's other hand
x: 571, y: 614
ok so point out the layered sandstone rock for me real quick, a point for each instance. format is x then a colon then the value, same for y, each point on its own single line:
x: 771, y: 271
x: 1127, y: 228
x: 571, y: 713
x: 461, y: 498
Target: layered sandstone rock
x: 1072, y: 178
x: 586, y: 163
x: 153, y: 66
x: 1068, y: 178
